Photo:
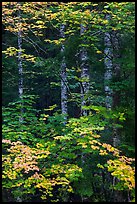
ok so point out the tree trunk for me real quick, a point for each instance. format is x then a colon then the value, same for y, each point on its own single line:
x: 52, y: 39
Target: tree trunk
x: 20, y: 71
x: 116, y: 65
x: 116, y: 75
x: 84, y: 86
x: 112, y: 68
x: 108, y: 67
x: 64, y: 107
x: 20, y: 67
x: 84, y: 74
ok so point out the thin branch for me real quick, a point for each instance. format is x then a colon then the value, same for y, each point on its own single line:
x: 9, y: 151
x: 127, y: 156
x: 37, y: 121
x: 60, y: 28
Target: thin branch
x: 33, y: 42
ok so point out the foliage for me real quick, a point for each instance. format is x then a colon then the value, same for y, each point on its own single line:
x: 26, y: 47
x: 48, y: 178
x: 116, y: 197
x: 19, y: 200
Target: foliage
x: 44, y: 159
x: 58, y: 162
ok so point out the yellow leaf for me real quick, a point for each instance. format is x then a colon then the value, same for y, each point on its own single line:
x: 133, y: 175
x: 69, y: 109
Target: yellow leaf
x: 99, y: 52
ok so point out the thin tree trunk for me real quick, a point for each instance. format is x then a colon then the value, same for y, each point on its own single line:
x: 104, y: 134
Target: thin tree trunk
x: 116, y: 65
x: 20, y: 67
x: 108, y: 67
x: 20, y: 71
x: 116, y: 75
x: 84, y: 74
x: 84, y: 85
x: 112, y: 68
x: 64, y: 107
x: 108, y: 74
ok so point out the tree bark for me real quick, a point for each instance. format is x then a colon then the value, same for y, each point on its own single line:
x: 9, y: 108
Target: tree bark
x: 112, y: 69
x: 84, y: 85
x: 116, y: 65
x: 64, y: 107
x: 116, y: 75
x: 20, y: 67
x: 20, y: 71
x: 84, y: 74
x: 108, y: 67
